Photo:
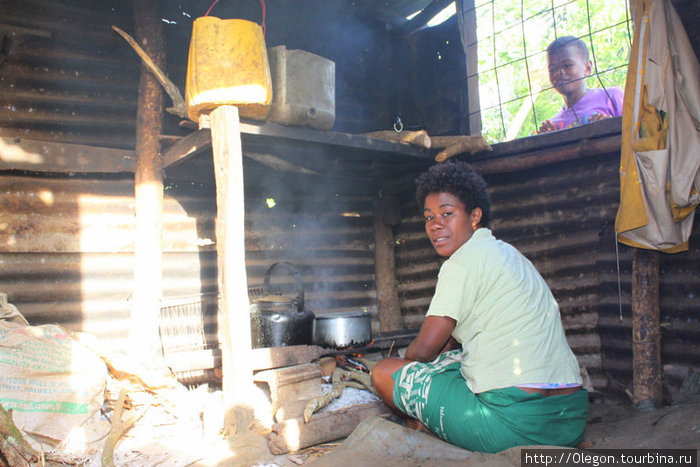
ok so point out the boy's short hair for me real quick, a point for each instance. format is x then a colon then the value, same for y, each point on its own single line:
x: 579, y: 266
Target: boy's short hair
x: 565, y: 41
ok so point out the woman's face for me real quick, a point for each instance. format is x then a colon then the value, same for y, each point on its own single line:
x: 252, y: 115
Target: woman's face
x: 447, y: 222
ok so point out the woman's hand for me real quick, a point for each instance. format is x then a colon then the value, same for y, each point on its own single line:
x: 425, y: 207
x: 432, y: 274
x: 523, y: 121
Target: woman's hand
x: 433, y: 338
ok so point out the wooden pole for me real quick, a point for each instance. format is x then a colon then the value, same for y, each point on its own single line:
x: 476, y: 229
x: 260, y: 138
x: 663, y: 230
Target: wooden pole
x: 646, y: 331
x: 148, y: 192
x: 386, y: 213
x: 234, y: 307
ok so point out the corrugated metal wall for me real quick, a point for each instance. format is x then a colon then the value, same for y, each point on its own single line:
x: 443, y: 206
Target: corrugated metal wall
x: 66, y: 76
x: 66, y: 249
x: 561, y: 217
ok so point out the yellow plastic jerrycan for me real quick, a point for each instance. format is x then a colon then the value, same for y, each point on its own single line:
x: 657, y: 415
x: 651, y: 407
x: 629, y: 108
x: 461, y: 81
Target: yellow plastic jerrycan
x: 227, y: 65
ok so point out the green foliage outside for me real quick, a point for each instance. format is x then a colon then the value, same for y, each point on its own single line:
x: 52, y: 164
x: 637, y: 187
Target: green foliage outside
x: 514, y: 89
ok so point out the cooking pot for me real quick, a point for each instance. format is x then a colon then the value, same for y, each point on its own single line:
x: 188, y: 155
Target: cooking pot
x: 278, y: 320
x: 342, y: 329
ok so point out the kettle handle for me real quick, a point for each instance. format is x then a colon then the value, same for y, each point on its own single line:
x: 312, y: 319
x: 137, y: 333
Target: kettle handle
x: 297, y: 276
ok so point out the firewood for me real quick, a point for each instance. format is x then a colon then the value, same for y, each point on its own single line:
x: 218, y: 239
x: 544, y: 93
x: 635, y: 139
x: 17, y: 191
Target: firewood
x: 293, y: 435
x: 459, y: 144
x: 417, y: 138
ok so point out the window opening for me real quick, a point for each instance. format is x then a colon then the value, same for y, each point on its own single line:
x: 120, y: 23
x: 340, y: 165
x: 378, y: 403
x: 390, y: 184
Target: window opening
x: 511, y: 40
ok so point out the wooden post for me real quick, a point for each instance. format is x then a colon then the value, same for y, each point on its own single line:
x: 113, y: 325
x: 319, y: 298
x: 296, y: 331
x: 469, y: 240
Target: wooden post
x: 148, y: 192
x: 646, y: 332
x: 234, y: 307
x: 386, y: 213
x: 471, y: 123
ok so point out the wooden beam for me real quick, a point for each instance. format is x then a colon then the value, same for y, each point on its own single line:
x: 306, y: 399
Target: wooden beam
x: 187, y: 147
x: 46, y: 156
x: 148, y: 192
x: 234, y: 324
x: 386, y: 213
x: 646, y: 330
x: 581, y: 149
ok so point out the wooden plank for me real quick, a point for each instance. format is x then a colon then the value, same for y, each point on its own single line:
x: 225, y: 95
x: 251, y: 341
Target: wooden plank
x: 45, y: 156
x: 234, y: 324
x: 294, y: 434
x: 187, y: 147
x: 333, y: 138
x: 277, y: 357
x: 289, y: 375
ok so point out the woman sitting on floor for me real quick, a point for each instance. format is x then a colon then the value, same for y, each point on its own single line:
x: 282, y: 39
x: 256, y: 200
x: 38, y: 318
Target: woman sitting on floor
x: 515, y: 381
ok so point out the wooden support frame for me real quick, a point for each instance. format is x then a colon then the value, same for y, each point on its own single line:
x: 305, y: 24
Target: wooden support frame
x: 148, y: 193
x: 386, y: 213
x: 646, y: 330
x: 234, y: 308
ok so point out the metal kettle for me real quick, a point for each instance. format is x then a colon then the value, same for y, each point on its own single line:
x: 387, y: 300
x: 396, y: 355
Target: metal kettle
x: 278, y: 320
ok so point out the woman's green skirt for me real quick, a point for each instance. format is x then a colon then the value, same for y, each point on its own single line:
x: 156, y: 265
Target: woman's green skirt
x: 436, y: 394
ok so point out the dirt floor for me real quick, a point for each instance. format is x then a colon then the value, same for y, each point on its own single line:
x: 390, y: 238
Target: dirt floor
x: 612, y: 424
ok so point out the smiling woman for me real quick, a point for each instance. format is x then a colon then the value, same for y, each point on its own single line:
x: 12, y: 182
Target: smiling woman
x: 492, y: 394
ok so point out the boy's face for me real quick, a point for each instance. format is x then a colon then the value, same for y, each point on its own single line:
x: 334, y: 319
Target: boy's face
x: 568, y: 69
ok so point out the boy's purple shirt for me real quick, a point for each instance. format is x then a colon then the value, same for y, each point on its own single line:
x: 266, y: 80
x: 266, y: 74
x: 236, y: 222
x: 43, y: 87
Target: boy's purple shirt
x: 595, y: 101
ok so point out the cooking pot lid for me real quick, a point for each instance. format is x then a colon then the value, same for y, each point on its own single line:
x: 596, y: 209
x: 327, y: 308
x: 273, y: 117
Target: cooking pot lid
x: 276, y: 298
x: 343, y: 314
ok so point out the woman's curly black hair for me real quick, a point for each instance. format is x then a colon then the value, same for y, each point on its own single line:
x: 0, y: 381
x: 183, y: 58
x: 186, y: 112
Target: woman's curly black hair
x: 457, y: 178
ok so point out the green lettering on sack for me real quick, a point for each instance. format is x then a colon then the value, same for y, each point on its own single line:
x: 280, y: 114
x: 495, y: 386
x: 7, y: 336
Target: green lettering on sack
x: 44, y: 406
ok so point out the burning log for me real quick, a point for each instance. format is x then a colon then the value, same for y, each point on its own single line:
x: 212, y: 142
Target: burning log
x: 341, y: 379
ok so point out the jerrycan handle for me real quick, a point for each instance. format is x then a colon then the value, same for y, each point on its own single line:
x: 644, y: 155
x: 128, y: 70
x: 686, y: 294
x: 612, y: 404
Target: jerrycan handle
x: 262, y: 5
x: 299, y: 300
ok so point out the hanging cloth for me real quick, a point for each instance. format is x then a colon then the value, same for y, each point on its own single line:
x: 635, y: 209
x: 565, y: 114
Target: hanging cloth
x: 660, y: 153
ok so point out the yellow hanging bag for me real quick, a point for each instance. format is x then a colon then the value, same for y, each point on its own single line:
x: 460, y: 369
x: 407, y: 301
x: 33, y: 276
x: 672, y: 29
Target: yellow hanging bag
x: 227, y: 65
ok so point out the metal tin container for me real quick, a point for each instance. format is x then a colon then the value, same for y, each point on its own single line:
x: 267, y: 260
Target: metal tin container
x: 342, y: 329
x: 303, y: 88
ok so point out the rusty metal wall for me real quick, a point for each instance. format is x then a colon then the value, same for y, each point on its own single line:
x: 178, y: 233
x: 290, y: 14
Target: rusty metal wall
x: 66, y: 249
x: 561, y: 217
x: 66, y: 76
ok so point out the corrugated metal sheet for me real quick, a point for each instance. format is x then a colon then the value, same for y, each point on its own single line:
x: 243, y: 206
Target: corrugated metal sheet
x: 561, y: 217
x: 65, y: 75
x: 66, y: 249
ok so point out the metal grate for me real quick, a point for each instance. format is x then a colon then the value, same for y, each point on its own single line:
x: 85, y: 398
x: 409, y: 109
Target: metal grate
x: 182, y: 330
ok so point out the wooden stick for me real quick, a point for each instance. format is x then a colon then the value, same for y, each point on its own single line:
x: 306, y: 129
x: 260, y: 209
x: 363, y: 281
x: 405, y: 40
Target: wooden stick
x: 317, y: 403
x: 172, y: 90
x: 13, y: 447
x: 454, y: 145
x: 417, y: 138
x: 117, y: 429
